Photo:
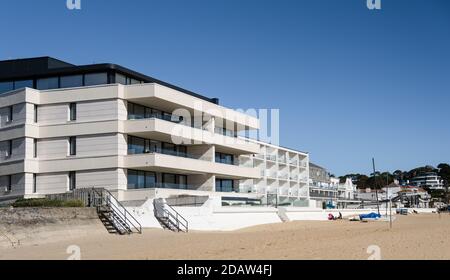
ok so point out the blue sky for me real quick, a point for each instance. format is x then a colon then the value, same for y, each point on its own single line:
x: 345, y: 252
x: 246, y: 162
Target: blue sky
x: 350, y: 83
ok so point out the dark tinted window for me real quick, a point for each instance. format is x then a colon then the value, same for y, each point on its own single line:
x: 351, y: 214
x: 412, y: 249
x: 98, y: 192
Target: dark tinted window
x: 6, y: 86
x: 95, y: 79
x: 23, y: 84
x: 48, y: 83
x: 121, y: 79
x: 72, y: 81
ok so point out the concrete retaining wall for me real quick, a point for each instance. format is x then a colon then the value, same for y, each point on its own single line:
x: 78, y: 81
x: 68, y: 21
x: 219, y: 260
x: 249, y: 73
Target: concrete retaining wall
x: 42, y: 216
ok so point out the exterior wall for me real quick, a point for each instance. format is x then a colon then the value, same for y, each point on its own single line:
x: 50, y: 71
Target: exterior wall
x: 53, y: 114
x: 98, y: 110
x: 101, y: 128
x: 283, y: 172
x: 53, y: 148
x: 100, y: 145
x: 52, y: 183
x: 204, y: 182
x: 111, y: 179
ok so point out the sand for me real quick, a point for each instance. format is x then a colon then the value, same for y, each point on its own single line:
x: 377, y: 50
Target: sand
x: 425, y: 236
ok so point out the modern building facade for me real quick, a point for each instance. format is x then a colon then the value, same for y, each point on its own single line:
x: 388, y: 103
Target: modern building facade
x: 284, y: 174
x: 65, y: 127
x: 329, y: 191
x: 429, y: 180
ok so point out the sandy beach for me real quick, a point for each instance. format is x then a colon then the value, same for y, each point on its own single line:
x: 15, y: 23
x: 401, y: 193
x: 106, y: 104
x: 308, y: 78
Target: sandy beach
x: 424, y: 236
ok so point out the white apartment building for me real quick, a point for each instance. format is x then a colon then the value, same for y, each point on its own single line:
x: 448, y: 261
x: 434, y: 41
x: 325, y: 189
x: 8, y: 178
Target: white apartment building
x: 429, y: 180
x: 284, y: 175
x: 65, y: 127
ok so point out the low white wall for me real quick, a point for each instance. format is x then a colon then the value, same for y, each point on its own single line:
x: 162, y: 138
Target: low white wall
x: 422, y: 210
x: 144, y: 215
x: 314, y: 214
x: 210, y: 218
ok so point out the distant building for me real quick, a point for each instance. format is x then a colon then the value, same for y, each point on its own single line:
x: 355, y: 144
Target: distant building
x: 429, y: 180
x: 329, y: 190
x: 402, y: 196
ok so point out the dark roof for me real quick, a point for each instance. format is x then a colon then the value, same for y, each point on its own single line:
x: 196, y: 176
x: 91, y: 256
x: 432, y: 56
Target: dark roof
x: 41, y: 67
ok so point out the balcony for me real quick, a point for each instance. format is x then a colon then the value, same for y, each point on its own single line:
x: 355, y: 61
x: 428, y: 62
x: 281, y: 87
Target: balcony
x: 166, y: 186
x: 271, y: 158
x: 185, y: 165
x: 163, y: 130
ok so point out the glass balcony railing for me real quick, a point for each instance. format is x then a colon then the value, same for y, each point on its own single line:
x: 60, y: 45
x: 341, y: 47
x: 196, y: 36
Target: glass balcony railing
x: 167, y: 152
x: 164, y: 186
x: 271, y: 157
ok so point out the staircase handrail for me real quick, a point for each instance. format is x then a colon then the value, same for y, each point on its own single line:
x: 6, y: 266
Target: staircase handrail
x: 179, y: 220
x: 117, y: 207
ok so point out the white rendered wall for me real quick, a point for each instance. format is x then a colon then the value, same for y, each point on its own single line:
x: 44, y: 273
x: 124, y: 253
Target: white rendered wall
x: 111, y: 179
x: 97, y: 110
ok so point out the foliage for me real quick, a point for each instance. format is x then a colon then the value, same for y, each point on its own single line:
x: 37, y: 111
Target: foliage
x: 43, y: 202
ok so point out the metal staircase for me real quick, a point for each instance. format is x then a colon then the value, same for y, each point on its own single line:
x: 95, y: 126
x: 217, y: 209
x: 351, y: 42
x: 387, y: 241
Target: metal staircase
x: 111, y: 212
x: 168, y: 217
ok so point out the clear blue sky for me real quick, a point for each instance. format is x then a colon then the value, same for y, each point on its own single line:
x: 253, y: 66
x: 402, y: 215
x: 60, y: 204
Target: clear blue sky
x: 350, y: 83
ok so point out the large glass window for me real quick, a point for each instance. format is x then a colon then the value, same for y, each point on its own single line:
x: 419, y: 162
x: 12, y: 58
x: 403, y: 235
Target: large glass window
x: 136, y: 145
x: 225, y: 158
x: 71, y: 81
x: 95, y: 79
x: 121, y: 79
x: 6, y: 86
x: 141, y: 179
x: 174, y: 181
x: 47, y: 83
x: 224, y: 185
x: 23, y: 84
x: 136, y: 111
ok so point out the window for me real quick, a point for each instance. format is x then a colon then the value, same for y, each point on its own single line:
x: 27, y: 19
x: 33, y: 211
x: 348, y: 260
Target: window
x: 225, y: 158
x: 48, y: 83
x: 6, y: 86
x: 223, y: 185
x: 34, y: 183
x: 95, y: 79
x: 23, y: 84
x: 73, y: 111
x: 35, y: 113
x: 133, y: 82
x: 10, y: 114
x: 136, y: 145
x: 174, y: 181
x: 169, y: 149
x: 121, y: 79
x: 71, y: 81
x: 9, y: 148
x: 35, y: 141
x: 141, y: 179
x: 72, y: 146
x: 9, y: 183
x: 72, y: 181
